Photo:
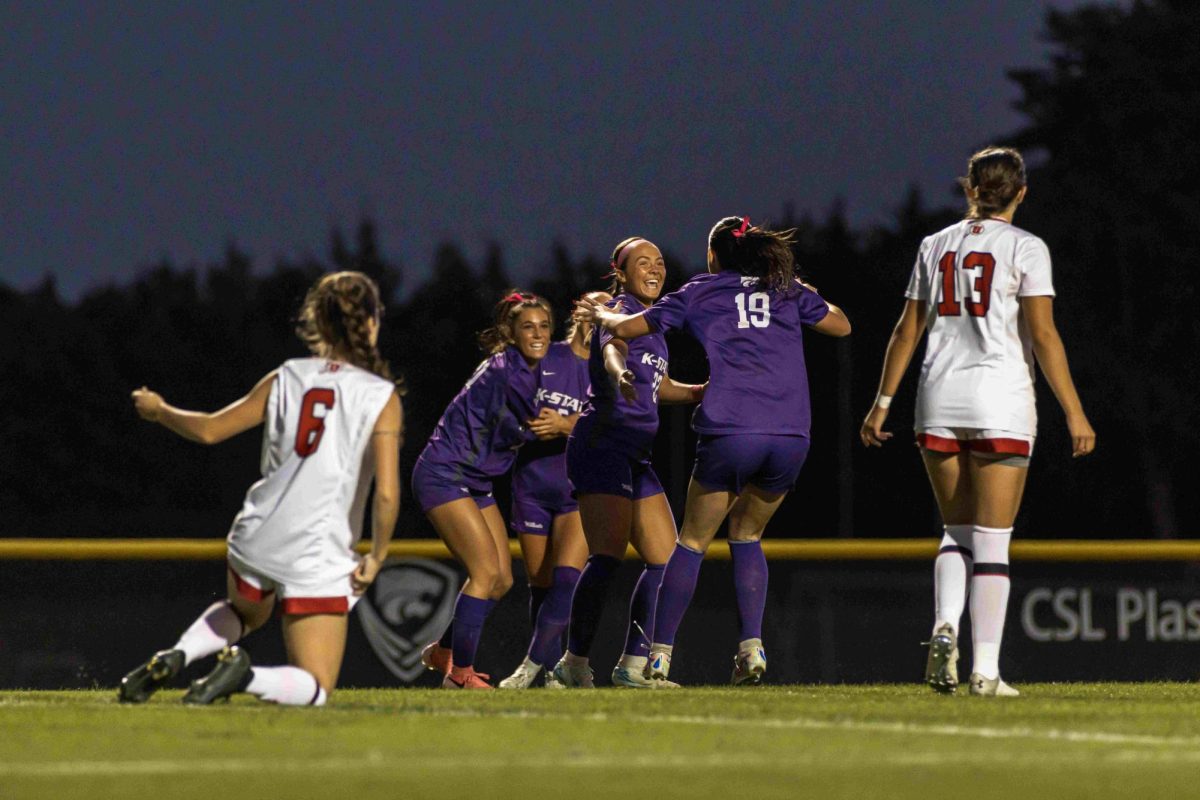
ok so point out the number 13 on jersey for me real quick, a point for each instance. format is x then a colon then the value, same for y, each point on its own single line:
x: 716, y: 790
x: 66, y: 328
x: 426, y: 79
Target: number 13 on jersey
x: 981, y: 286
x: 756, y: 310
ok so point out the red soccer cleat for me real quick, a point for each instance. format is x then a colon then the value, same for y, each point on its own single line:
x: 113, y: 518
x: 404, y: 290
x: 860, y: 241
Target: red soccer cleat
x: 437, y: 658
x: 466, y: 678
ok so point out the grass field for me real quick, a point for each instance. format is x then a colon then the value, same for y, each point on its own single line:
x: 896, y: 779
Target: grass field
x: 1061, y: 741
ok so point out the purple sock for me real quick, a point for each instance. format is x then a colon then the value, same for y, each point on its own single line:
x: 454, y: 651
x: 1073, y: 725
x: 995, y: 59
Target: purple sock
x: 678, y: 585
x: 537, y: 596
x: 590, y: 593
x: 469, y: 615
x: 641, y: 611
x: 546, y: 647
x: 750, y: 583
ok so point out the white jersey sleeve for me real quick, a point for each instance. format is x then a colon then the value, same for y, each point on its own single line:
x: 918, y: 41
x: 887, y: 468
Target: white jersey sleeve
x: 919, y: 280
x: 300, y: 521
x: 1033, y: 263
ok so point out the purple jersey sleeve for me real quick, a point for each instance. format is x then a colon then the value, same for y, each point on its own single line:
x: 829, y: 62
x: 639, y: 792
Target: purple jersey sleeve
x: 813, y: 309
x: 670, y: 312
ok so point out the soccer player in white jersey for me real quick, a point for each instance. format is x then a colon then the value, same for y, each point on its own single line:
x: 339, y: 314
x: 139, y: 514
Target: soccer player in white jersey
x: 982, y: 289
x: 332, y: 423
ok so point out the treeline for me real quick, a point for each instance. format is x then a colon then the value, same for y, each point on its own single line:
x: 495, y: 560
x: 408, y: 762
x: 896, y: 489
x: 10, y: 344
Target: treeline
x: 1116, y: 201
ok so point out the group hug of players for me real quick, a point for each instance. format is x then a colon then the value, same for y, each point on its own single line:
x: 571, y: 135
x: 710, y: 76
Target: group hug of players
x: 574, y: 422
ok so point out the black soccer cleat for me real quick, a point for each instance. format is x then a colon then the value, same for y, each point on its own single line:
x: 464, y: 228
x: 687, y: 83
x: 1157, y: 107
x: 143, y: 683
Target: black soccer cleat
x: 231, y: 675
x: 137, y: 686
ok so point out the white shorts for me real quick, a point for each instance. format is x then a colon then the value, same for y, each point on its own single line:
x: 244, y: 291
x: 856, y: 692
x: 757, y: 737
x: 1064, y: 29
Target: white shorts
x: 334, y: 596
x: 1005, y: 447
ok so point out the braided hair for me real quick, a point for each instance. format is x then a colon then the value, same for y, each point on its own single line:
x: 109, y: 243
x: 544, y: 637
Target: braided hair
x: 995, y: 176
x: 755, y: 251
x: 336, y: 317
x: 500, y: 335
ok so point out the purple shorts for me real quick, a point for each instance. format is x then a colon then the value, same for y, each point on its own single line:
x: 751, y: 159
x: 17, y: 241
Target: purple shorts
x: 769, y: 462
x: 434, y: 485
x: 594, y: 471
x: 537, y: 518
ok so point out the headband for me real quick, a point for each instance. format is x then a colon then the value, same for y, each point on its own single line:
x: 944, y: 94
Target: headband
x: 623, y: 252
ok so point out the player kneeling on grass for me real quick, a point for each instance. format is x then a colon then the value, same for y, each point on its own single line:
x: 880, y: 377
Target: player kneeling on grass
x: 748, y: 311
x: 982, y: 289
x: 332, y: 422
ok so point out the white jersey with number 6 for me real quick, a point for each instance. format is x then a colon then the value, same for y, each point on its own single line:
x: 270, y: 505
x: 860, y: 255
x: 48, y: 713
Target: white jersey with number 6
x: 298, y: 523
x: 978, y: 369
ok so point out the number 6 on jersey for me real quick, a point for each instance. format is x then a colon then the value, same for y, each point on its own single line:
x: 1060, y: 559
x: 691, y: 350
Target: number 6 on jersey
x: 312, y: 425
x: 756, y: 312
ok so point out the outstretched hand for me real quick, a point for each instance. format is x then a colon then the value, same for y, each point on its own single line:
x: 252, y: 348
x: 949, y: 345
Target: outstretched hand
x: 626, y: 386
x: 147, y: 403
x: 587, y: 309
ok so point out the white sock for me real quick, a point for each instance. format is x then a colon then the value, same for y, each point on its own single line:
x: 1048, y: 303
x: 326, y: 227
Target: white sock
x: 217, y: 628
x: 656, y: 647
x: 635, y: 663
x: 989, y: 597
x: 572, y: 660
x: 950, y: 571
x: 749, y: 645
x: 288, y: 686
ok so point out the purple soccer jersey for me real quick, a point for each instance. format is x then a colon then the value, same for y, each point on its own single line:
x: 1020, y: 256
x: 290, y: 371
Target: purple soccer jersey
x: 753, y: 338
x: 609, y: 421
x: 540, y: 475
x: 479, y: 432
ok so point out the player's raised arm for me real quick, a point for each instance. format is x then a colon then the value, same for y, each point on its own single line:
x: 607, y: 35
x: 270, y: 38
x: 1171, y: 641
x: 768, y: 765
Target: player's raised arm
x: 626, y: 326
x: 673, y: 393
x: 835, y: 322
x: 1052, y: 357
x: 386, y: 440
x: 900, y: 349
x: 202, y: 427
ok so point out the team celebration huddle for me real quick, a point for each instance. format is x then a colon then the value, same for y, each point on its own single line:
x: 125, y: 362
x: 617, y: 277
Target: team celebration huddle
x: 574, y: 421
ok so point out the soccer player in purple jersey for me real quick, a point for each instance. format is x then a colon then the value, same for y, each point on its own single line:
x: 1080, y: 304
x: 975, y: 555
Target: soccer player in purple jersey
x: 608, y: 463
x: 748, y: 312
x: 475, y: 441
x: 544, y: 515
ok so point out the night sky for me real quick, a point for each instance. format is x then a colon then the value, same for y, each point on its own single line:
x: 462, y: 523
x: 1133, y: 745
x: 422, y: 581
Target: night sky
x: 132, y: 132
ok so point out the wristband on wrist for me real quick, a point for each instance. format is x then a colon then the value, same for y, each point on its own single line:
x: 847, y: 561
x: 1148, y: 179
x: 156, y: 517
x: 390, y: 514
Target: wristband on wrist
x: 884, y: 401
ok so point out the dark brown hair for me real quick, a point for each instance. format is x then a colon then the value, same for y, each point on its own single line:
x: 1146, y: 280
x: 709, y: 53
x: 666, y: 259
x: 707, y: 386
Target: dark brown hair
x: 336, y: 316
x: 500, y: 334
x: 755, y: 251
x: 995, y: 176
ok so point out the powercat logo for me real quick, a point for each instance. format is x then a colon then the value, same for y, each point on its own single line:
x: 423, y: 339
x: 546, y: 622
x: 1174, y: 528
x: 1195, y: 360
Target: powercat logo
x: 409, y: 605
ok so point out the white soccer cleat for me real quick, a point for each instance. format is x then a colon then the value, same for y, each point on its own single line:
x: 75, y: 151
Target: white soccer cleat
x: 571, y: 676
x: 523, y: 677
x: 941, y: 667
x: 991, y: 687
x: 749, y: 664
x: 658, y: 669
x: 630, y: 673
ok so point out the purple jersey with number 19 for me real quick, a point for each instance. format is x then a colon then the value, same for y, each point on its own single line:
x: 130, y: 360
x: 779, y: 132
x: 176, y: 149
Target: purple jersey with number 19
x: 753, y: 338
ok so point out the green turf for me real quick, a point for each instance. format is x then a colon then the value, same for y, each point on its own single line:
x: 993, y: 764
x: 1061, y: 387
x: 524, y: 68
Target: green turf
x: 1061, y: 741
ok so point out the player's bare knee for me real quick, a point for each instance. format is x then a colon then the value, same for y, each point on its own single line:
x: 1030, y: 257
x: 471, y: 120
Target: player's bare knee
x: 739, y: 533
x: 501, y: 585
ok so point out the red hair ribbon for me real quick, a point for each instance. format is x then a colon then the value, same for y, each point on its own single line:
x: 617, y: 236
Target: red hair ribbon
x: 740, y: 232
x: 518, y: 297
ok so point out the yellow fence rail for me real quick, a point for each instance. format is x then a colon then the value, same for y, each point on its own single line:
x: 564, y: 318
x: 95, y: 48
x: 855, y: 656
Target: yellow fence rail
x: 778, y: 549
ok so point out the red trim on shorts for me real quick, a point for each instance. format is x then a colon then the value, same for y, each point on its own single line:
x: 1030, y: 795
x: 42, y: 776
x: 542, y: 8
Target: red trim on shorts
x: 315, y: 605
x: 1012, y: 447
x: 247, y: 589
x: 940, y: 444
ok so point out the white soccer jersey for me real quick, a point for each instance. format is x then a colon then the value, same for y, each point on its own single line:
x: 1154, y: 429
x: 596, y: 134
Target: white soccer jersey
x: 978, y: 369
x: 299, y: 522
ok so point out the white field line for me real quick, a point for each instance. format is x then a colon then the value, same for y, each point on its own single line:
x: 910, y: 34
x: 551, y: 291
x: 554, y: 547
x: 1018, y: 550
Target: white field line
x: 597, y: 761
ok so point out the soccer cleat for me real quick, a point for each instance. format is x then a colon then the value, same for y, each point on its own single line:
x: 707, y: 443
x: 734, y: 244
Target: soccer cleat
x: 138, y: 685
x: 991, y: 687
x: 466, y: 678
x: 749, y: 664
x: 437, y: 658
x: 658, y: 667
x: 523, y: 677
x: 571, y: 676
x: 941, y: 668
x: 231, y: 675
x: 630, y: 677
